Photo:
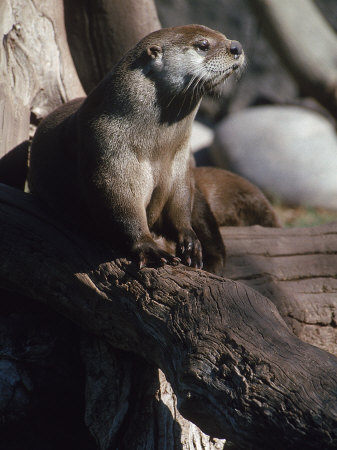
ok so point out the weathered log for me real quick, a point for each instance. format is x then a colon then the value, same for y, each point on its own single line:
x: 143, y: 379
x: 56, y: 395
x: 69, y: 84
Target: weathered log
x: 36, y: 66
x: 237, y: 370
x: 101, y: 32
x: 41, y: 379
x: 306, y: 44
x: 295, y: 268
x: 130, y: 404
x: 37, y: 72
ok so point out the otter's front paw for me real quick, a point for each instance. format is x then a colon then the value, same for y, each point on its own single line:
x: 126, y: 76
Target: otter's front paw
x: 189, y: 249
x: 150, y: 255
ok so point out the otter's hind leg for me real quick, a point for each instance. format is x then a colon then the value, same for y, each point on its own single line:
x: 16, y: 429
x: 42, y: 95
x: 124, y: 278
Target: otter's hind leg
x: 207, y: 231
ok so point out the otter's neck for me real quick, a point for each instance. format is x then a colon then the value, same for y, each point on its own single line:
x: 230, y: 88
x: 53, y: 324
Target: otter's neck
x: 178, y: 108
x: 140, y: 94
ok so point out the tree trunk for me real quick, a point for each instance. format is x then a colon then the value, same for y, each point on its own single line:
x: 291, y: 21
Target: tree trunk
x: 306, y: 43
x: 236, y: 369
x: 100, y: 32
x: 36, y: 68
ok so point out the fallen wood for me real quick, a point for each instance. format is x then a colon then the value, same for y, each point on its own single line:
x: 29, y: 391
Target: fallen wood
x: 296, y: 269
x: 237, y: 370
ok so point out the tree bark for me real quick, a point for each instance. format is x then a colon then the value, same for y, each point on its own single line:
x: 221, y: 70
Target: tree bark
x: 101, y: 32
x: 36, y: 66
x: 131, y: 405
x: 236, y: 369
x: 306, y: 43
x: 37, y: 72
x: 296, y: 269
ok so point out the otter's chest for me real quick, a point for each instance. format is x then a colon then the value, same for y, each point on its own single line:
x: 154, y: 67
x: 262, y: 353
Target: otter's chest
x: 166, y: 177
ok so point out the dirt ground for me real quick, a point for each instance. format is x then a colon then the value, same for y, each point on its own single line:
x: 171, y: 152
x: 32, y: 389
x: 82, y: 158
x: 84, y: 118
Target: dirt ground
x: 301, y: 216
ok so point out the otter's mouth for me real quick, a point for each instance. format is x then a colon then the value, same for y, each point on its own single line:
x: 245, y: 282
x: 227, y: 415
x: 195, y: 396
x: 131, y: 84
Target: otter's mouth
x: 219, y: 77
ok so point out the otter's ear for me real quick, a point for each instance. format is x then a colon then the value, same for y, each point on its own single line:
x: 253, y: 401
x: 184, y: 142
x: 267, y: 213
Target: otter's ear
x: 154, y: 51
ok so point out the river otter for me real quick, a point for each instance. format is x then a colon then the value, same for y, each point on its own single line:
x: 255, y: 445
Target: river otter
x: 119, y: 161
x: 233, y: 200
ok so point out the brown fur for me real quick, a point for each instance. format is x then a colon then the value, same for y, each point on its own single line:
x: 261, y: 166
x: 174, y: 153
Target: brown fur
x: 117, y: 163
x: 233, y: 200
x: 225, y: 199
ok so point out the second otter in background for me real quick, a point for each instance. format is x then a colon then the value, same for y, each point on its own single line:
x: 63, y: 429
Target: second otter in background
x: 233, y: 200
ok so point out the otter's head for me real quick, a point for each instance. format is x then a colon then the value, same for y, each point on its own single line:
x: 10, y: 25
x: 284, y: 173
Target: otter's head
x: 191, y: 59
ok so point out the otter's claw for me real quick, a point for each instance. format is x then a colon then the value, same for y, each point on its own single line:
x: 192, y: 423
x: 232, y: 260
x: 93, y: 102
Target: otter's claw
x: 189, y: 249
x: 150, y: 255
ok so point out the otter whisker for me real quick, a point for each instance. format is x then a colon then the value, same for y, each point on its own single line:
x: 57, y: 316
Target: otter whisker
x: 183, y: 91
x: 171, y: 101
x: 197, y: 92
x: 190, y: 83
x: 187, y: 88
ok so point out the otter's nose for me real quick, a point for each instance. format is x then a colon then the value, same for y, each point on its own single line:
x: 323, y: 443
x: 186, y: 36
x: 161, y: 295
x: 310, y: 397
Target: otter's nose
x: 235, y: 48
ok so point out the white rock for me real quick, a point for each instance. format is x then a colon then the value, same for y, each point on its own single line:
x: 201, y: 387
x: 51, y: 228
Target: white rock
x: 202, y: 136
x: 286, y: 150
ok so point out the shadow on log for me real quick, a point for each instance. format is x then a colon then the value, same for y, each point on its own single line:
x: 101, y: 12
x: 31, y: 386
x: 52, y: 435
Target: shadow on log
x: 237, y: 370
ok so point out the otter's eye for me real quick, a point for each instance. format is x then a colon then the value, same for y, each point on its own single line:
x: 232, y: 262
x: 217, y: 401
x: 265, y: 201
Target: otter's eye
x: 202, y: 45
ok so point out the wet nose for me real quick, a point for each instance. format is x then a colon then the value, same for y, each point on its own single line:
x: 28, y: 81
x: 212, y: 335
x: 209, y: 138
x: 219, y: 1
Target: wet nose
x: 235, y: 48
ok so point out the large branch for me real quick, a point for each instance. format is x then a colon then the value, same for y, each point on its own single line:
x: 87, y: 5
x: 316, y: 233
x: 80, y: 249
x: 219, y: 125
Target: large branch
x: 237, y: 370
x: 297, y: 269
x: 306, y: 43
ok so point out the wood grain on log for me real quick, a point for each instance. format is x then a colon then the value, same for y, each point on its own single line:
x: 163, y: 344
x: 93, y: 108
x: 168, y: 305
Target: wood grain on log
x: 237, y: 370
x: 101, y: 32
x: 130, y: 405
x: 37, y: 72
x: 296, y: 269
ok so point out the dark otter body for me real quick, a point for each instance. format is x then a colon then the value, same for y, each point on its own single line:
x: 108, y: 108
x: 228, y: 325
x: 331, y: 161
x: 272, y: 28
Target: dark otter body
x: 223, y: 198
x: 118, y: 162
x: 14, y: 167
x: 233, y: 200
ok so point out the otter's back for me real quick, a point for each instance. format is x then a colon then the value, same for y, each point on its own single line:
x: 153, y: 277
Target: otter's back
x: 53, y: 173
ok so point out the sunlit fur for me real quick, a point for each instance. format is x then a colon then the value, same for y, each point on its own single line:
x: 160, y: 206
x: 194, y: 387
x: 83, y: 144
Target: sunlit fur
x: 117, y: 164
x: 204, y: 72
